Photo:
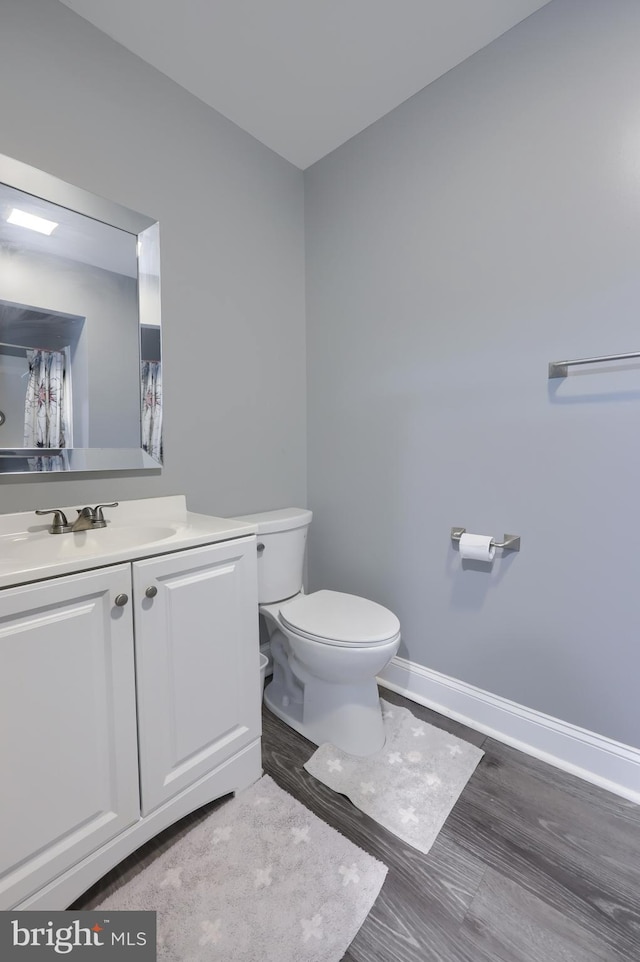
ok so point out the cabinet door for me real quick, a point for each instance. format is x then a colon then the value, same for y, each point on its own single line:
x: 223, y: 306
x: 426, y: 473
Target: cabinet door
x: 68, y: 751
x: 197, y: 663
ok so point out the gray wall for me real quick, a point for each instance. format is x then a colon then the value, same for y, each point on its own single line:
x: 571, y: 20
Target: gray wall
x: 485, y: 227
x: 79, y: 106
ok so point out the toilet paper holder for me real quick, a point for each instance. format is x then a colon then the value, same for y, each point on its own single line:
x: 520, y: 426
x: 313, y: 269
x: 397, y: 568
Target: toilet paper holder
x: 510, y: 542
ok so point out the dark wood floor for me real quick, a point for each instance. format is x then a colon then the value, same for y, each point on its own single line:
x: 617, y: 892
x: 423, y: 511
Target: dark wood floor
x: 532, y: 865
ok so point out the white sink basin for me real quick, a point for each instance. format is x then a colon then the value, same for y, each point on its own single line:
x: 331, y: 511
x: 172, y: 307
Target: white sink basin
x: 41, y: 547
x: 138, y: 529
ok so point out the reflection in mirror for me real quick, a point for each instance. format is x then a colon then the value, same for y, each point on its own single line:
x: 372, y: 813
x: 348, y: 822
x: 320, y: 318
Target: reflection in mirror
x: 80, y: 341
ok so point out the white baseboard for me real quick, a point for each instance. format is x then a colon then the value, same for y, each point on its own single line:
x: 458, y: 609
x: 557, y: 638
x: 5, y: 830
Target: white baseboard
x: 609, y: 764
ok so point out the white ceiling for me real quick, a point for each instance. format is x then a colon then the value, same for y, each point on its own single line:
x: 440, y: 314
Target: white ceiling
x: 303, y: 76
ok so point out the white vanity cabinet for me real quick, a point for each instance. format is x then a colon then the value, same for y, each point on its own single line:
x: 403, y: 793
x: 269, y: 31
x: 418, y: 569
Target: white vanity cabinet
x: 68, y: 725
x: 198, y: 680
x: 121, y: 715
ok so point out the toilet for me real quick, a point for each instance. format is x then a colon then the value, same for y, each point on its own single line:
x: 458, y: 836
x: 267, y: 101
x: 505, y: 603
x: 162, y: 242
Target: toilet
x: 327, y: 646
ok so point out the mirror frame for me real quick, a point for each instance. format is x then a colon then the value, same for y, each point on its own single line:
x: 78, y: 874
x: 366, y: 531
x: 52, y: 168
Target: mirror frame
x: 30, y: 180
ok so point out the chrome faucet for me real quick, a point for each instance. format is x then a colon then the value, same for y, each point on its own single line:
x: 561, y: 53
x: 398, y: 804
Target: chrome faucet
x: 91, y: 517
x: 87, y: 518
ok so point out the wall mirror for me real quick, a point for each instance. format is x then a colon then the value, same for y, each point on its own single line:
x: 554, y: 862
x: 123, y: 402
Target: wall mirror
x: 80, y: 340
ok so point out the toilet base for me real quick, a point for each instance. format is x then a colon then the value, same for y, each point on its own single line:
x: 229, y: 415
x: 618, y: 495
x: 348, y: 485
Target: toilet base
x: 348, y: 716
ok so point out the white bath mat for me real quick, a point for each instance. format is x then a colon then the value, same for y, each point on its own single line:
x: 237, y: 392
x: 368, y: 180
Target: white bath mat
x: 411, y: 784
x: 262, y: 879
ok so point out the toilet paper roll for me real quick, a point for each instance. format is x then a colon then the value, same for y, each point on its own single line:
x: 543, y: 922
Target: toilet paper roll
x: 477, y: 547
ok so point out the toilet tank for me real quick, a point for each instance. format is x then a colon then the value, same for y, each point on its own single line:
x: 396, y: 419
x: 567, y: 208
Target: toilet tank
x: 283, y: 535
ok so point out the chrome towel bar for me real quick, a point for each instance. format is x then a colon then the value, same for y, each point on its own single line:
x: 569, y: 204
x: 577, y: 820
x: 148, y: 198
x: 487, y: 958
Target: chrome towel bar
x: 510, y: 542
x: 561, y: 368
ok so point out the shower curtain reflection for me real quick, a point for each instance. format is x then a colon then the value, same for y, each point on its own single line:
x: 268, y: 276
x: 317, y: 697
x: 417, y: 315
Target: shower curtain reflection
x: 152, y: 408
x: 45, y: 407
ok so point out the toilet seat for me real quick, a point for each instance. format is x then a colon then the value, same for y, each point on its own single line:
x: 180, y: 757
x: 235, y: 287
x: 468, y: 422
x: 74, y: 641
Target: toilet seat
x: 338, y: 619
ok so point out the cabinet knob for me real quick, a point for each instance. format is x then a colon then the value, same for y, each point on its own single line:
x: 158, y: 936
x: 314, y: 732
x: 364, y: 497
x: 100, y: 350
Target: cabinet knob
x: 151, y: 591
x: 121, y: 600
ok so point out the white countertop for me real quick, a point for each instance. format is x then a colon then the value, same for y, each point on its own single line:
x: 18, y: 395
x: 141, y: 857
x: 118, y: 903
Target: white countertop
x: 135, y: 529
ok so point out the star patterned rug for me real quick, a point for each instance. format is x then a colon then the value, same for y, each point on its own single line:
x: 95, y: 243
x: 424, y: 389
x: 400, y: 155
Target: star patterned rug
x: 411, y: 784
x: 262, y: 879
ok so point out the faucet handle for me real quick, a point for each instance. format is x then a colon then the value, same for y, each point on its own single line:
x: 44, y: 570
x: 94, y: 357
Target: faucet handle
x: 98, y: 517
x: 59, y: 525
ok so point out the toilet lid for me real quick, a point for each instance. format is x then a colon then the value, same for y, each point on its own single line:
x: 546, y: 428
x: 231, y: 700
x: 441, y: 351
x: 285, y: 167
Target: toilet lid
x: 335, y: 616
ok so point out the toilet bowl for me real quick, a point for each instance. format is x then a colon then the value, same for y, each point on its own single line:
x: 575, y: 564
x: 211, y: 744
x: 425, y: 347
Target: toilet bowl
x: 327, y: 647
